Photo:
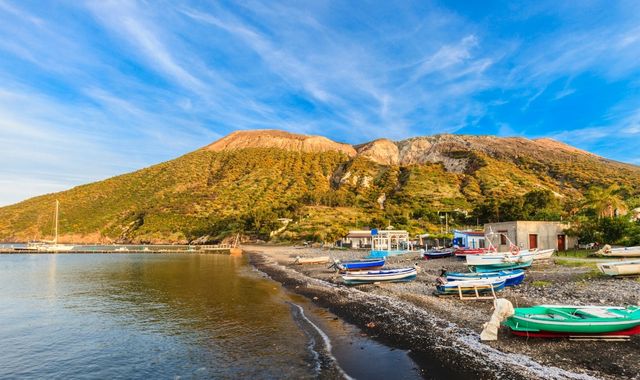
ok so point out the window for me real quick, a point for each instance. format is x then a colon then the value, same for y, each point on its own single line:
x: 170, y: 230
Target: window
x: 503, y: 237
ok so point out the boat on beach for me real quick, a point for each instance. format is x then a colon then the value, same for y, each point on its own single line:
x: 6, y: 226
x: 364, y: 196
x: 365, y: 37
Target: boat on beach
x: 511, y: 277
x: 387, y: 275
x: 543, y: 254
x: 462, y: 253
x: 619, y: 252
x: 437, y: 253
x: 356, y: 265
x: 474, y: 286
x: 559, y: 320
x: 513, y: 257
x: 500, y: 267
x: 311, y: 260
x: 620, y: 268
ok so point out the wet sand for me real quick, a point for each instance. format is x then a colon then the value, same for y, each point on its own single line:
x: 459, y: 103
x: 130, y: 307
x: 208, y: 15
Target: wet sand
x: 443, y: 332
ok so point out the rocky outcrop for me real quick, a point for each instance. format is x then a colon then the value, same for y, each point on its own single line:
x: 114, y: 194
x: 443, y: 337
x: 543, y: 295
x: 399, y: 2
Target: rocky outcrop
x: 279, y: 139
x: 382, y: 151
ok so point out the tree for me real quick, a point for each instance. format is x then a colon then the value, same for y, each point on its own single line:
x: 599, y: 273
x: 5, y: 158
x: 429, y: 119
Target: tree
x: 605, y: 203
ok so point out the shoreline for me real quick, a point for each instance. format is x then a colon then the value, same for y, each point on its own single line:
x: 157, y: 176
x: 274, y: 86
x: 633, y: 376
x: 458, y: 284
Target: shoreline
x: 407, y: 316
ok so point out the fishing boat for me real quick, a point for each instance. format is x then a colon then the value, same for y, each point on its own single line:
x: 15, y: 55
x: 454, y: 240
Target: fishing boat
x: 311, y: 260
x: 354, y: 265
x: 476, y: 286
x: 437, y: 253
x: 500, y: 267
x: 511, y: 277
x: 462, y: 253
x: 515, y: 256
x: 543, y: 254
x: 620, y: 268
x: 619, y: 252
x: 559, y: 320
x: 388, y: 275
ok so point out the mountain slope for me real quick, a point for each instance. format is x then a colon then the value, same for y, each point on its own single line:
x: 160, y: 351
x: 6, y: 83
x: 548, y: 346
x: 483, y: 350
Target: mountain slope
x: 246, y: 181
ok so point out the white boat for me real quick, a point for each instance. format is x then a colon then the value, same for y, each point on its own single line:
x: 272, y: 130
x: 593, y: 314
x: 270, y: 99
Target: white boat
x: 50, y: 246
x: 515, y: 257
x: 543, y: 254
x: 312, y: 260
x: 619, y: 252
x: 620, y: 268
x: 385, y: 275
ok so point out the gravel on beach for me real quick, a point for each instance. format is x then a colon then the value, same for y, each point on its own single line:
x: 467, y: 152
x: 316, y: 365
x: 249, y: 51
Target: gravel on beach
x: 446, y: 329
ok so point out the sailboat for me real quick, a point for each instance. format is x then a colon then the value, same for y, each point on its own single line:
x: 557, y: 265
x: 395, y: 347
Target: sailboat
x: 50, y: 245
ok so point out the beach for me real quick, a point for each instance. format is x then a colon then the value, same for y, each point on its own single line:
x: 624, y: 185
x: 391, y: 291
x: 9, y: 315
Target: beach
x: 445, y: 330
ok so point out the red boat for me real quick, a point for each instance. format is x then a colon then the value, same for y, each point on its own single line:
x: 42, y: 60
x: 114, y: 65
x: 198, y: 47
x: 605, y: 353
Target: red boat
x: 463, y: 252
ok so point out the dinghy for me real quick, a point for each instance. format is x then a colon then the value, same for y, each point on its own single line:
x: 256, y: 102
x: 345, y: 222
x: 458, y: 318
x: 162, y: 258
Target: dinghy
x: 543, y: 254
x: 570, y: 320
x: 437, y: 253
x: 511, y: 277
x: 500, y: 267
x: 354, y: 265
x: 619, y: 252
x: 311, y: 260
x: 515, y: 256
x: 479, y: 286
x: 388, y: 275
x: 620, y: 268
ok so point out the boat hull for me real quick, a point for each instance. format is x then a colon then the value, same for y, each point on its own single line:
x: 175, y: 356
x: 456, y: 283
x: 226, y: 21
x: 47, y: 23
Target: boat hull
x: 620, y: 268
x: 390, y: 275
x: 470, y: 287
x: 544, y: 254
x: 357, y: 265
x: 501, y: 258
x: 499, y: 267
x: 436, y: 255
x: 573, y: 320
x: 551, y: 335
x: 511, y: 278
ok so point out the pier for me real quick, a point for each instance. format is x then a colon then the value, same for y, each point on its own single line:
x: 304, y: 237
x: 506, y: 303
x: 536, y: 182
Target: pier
x: 85, y: 249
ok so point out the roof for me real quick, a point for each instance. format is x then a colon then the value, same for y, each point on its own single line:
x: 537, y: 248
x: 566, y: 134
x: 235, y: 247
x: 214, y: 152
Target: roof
x: 469, y: 233
x: 359, y: 235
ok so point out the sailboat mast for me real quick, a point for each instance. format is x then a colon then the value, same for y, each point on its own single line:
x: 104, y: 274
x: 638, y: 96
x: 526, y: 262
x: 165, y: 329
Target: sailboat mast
x: 55, y: 239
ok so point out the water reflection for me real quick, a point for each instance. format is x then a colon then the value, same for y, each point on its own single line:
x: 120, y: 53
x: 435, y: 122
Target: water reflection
x: 143, y: 316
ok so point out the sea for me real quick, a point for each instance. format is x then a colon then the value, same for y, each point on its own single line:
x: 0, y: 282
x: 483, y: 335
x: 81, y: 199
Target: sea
x: 173, y: 316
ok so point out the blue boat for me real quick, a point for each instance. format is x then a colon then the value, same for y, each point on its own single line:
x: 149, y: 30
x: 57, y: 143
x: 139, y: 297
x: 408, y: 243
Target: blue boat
x: 500, y: 267
x: 512, y: 277
x: 480, y: 286
x: 437, y: 253
x: 364, y: 264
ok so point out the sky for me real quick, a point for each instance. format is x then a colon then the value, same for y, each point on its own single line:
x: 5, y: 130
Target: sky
x: 93, y: 89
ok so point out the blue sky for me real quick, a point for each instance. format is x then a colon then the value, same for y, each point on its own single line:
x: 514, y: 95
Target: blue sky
x: 91, y: 89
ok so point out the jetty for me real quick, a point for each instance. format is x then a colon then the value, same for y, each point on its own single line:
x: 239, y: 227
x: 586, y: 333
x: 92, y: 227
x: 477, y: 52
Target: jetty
x: 87, y: 249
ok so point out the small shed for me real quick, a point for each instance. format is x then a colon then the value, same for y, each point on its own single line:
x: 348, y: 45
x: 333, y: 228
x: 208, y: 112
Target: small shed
x: 529, y: 235
x: 358, y: 239
x: 469, y: 239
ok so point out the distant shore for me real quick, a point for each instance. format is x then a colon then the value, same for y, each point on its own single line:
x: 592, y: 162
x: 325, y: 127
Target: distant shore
x: 446, y: 330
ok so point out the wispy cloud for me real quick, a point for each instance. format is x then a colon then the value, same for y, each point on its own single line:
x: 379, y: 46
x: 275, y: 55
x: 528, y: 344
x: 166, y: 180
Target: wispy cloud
x: 95, y: 89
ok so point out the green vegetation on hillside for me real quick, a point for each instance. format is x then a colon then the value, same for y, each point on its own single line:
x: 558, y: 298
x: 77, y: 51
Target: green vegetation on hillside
x: 209, y: 195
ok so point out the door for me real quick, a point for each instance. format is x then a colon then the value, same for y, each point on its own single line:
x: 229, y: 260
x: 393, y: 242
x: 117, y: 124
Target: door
x: 533, y: 241
x: 561, y: 243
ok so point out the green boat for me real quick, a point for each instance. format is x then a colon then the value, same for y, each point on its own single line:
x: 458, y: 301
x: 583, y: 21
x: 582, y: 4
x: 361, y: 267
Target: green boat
x: 574, y: 319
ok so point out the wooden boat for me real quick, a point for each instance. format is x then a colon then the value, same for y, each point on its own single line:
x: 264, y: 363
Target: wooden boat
x: 437, y: 253
x: 574, y: 319
x: 463, y: 252
x: 311, y: 260
x: 388, y: 275
x: 354, y: 265
x: 619, y: 252
x: 543, y: 254
x: 620, y: 268
x: 480, y: 286
x: 500, y: 267
x: 511, y: 277
x: 514, y: 257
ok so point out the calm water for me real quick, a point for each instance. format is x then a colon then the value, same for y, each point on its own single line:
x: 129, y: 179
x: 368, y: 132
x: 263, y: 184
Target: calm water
x: 171, y: 316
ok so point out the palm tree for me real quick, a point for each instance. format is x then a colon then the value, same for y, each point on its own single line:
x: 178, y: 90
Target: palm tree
x: 606, y: 203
